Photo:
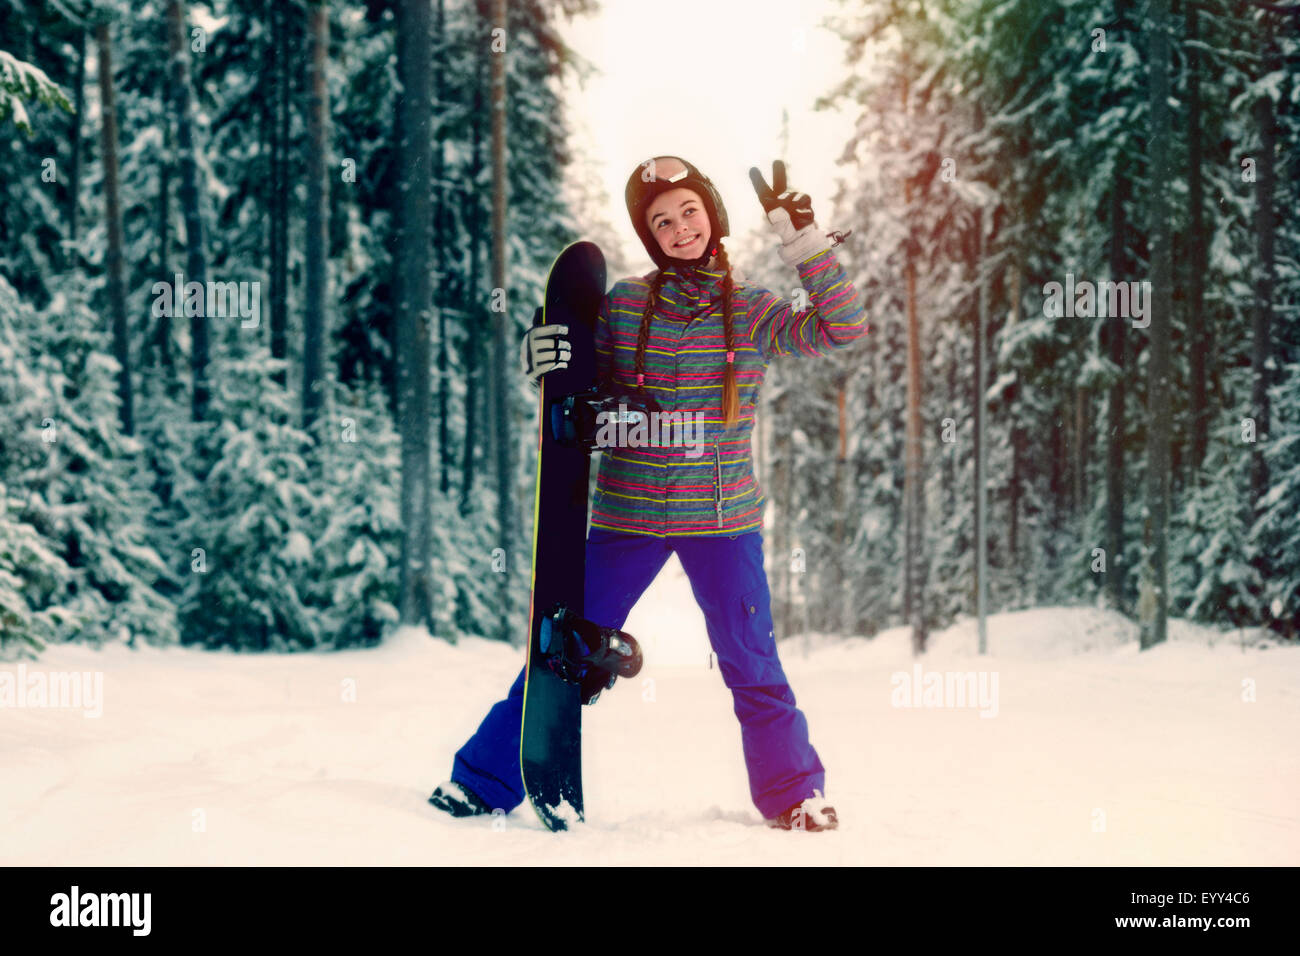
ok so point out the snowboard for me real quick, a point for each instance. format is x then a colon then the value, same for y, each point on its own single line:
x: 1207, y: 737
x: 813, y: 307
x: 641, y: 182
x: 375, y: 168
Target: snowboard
x: 550, y: 744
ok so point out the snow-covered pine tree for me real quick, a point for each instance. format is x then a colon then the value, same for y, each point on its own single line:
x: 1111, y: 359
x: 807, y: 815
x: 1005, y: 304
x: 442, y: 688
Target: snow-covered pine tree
x: 22, y: 83
x: 99, y: 492
x: 33, y: 576
x: 1277, y: 528
x: 251, y: 513
x: 351, y: 575
x: 1214, y: 579
x: 82, y: 484
x: 36, y: 72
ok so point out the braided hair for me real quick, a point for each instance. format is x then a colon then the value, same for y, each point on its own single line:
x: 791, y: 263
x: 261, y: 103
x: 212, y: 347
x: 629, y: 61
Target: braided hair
x: 730, y: 392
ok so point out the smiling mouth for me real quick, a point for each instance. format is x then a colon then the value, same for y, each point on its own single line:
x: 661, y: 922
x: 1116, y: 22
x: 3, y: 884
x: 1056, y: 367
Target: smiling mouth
x: 686, y: 242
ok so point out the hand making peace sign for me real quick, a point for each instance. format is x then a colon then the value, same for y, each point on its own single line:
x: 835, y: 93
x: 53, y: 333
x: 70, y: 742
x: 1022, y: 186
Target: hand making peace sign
x: 790, y: 214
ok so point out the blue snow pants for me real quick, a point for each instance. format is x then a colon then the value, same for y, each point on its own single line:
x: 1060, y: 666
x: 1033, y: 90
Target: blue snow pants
x: 730, y: 585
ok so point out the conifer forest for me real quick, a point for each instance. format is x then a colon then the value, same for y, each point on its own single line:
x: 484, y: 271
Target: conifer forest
x: 265, y: 268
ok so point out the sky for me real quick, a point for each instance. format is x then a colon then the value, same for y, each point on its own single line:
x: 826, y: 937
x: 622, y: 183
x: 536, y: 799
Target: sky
x: 707, y: 80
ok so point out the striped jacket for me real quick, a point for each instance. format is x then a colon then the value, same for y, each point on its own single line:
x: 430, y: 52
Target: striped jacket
x: 703, y: 483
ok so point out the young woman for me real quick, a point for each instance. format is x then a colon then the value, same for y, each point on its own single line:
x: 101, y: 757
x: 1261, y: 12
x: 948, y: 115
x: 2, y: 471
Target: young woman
x: 696, y: 339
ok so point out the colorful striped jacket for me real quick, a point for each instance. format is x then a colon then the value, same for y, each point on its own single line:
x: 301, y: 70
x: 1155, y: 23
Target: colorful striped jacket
x: 703, y: 483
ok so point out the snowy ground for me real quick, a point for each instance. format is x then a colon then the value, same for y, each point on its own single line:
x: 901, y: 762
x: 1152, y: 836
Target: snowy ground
x: 1096, y: 754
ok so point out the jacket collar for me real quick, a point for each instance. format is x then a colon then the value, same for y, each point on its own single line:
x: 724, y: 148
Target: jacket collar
x: 693, y: 277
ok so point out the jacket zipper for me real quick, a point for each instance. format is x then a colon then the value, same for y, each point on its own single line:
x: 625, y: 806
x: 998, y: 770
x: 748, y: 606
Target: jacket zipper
x: 717, y: 482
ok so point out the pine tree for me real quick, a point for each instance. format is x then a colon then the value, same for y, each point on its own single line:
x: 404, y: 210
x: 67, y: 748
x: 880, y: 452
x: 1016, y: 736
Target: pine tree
x: 82, y: 492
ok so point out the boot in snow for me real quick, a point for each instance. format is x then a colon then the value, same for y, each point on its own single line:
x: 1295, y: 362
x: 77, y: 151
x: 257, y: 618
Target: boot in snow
x: 812, y: 814
x: 458, y: 801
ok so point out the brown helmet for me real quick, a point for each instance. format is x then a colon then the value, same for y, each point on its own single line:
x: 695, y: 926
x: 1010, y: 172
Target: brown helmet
x: 643, y: 186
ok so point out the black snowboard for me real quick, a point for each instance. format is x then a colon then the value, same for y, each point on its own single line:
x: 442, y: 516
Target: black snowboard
x: 550, y: 749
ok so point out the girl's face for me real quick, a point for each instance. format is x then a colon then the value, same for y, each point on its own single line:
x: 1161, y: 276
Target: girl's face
x: 679, y: 223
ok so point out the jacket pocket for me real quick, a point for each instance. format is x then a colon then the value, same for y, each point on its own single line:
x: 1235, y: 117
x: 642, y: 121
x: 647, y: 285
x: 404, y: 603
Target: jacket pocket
x: 758, y: 665
x: 757, y: 630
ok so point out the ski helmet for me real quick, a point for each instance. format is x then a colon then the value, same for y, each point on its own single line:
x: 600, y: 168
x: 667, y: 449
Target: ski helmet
x: 642, y: 188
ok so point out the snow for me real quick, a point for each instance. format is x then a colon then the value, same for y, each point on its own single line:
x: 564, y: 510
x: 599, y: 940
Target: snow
x: 297, y: 547
x: 1098, y: 754
x: 19, y: 80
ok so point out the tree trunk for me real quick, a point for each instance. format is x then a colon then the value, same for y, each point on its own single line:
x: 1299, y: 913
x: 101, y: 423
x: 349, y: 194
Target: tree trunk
x: 949, y: 450
x: 74, y: 184
x: 279, y: 178
x: 1154, y: 602
x: 195, y: 262
x: 1017, y: 482
x: 1116, y: 328
x: 163, y: 330
x: 1196, y: 350
x: 502, y: 386
x: 913, y: 478
x: 913, y: 483
x: 1082, y: 447
x: 315, y: 314
x: 440, y: 244
x: 1056, y: 472
x: 1265, y: 185
x: 414, y: 157
x: 981, y: 441
x: 1016, y: 434
x: 475, y: 312
x: 113, y: 221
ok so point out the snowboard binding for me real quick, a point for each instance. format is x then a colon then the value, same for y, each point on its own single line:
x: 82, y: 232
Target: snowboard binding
x: 580, y: 652
x: 578, y: 419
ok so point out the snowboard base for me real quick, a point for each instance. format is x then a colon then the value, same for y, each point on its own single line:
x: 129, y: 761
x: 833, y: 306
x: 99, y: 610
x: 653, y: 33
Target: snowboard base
x: 550, y: 739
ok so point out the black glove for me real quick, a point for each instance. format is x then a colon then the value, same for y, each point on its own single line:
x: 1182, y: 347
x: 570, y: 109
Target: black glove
x: 790, y: 214
x: 797, y: 205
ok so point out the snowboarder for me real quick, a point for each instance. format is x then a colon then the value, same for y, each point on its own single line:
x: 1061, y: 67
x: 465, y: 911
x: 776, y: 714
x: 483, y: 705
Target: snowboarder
x: 696, y: 338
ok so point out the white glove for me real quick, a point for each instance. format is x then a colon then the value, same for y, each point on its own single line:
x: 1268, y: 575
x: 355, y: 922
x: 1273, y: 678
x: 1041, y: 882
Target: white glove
x: 544, y: 347
x: 790, y: 214
x: 796, y: 246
